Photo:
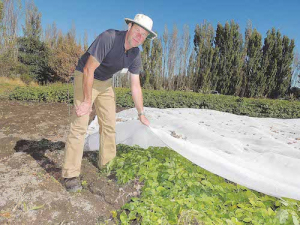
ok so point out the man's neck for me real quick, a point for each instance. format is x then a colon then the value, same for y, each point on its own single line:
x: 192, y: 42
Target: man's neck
x: 126, y: 45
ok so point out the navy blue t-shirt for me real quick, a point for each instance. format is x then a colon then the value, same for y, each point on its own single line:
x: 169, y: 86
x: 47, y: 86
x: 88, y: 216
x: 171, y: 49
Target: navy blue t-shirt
x: 108, y: 48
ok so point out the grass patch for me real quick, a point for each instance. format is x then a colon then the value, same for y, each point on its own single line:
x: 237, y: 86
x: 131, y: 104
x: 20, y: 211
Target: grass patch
x: 7, y: 85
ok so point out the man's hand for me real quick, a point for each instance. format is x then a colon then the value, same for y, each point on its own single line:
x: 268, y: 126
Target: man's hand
x: 83, y: 109
x: 144, y: 120
x: 137, y: 97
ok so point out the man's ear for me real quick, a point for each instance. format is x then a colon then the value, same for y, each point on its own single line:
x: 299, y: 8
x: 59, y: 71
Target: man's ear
x: 129, y: 26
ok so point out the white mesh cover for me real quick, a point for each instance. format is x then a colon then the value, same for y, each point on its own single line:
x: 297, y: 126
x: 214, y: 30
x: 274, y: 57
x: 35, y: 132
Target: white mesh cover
x: 260, y: 153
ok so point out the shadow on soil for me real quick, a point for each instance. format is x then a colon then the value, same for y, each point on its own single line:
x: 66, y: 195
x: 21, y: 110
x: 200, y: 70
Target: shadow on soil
x: 39, y: 151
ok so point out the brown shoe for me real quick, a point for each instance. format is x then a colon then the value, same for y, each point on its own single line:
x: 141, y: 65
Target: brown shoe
x: 73, y: 184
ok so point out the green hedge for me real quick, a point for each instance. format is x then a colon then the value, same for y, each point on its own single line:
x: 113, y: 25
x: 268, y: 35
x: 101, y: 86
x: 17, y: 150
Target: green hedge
x: 176, y: 191
x: 172, y: 99
x: 224, y: 103
x: 57, y: 92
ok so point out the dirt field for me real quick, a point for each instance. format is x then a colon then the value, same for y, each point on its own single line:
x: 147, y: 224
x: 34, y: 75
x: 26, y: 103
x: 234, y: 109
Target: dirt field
x: 32, y: 140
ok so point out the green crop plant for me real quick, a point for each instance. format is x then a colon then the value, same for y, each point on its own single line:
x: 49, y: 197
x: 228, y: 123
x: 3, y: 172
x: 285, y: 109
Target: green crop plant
x: 176, y: 191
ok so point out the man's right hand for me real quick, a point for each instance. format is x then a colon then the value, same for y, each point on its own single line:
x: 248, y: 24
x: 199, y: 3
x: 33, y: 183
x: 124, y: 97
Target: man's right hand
x: 83, y: 109
x: 88, y: 78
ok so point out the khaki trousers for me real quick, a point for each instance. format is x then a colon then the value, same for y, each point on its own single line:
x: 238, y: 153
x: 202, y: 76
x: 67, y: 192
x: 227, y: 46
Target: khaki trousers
x: 103, y: 98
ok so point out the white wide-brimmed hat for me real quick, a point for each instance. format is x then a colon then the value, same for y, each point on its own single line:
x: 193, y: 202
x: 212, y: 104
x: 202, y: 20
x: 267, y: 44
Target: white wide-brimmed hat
x: 144, y: 22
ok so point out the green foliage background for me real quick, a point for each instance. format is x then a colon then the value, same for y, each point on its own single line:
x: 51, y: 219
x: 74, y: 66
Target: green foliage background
x: 220, y: 59
x: 171, y: 99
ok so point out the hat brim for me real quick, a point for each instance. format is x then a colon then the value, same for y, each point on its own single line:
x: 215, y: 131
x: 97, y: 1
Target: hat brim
x: 151, y: 35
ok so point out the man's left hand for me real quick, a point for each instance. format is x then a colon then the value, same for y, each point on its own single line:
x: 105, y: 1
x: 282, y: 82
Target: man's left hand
x: 144, y: 120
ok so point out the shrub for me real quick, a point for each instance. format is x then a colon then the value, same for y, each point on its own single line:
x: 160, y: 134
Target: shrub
x: 26, y: 78
x: 171, y: 99
x: 51, y: 93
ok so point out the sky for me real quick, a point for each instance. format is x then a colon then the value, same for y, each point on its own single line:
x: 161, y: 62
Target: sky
x: 96, y: 16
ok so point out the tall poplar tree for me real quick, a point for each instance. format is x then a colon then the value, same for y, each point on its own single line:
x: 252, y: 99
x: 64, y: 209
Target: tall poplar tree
x: 156, y: 77
x: 51, y: 35
x: 183, y: 58
x: 229, y: 42
x: 253, y: 71
x: 1, y: 27
x: 191, y: 71
x: 85, y: 41
x: 146, y: 62
x: 10, y: 16
x: 172, y: 57
x: 284, y: 70
x: 269, y: 64
x: 165, y: 56
x: 203, y: 45
x: 277, y: 63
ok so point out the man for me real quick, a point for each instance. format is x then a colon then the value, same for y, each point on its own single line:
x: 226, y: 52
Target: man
x: 112, y: 51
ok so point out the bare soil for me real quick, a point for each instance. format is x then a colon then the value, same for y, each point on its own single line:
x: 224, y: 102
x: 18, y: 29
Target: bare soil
x: 32, y: 141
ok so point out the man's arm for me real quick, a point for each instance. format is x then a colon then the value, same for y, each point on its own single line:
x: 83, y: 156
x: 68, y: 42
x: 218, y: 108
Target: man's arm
x: 87, y: 84
x: 137, y: 97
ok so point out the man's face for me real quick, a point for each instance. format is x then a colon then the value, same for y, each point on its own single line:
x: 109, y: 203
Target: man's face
x: 136, y: 35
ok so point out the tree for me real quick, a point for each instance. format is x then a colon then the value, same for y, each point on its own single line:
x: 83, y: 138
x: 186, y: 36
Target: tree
x: 284, y: 70
x: 191, y: 70
x: 33, y: 53
x: 172, y: 57
x: 183, y: 57
x: 203, y: 45
x: 254, y: 75
x: 296, y: 61
x: 295, y: 81
x: 146, y: 63
x: 51, y: 35
x: 165, y: 56
x: 156, y: 77
x: 1, y: 11
x: 34, y: 58
x: 33, y: 27
x: 1, y: 18
x: 269, y: 64
x: 65, y: 55
x: 85, y: 41
x: 9, y: 19
x: 277, y: 63
x: 229, y: 42
x: 244, y: 82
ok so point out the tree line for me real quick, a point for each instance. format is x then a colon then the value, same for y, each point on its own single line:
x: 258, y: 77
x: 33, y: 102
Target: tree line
x: 41, y: 56
x: 221, y: 60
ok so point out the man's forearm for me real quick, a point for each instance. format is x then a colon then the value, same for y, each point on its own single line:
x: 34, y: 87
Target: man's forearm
x: 87, y: 85
x: 137, y: 97
x: 85, y: 106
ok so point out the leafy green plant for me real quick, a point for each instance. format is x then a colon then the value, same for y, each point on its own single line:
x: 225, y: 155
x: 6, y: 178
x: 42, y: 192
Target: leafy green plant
x: 57, y: 92
x: 176, y: 191
x: 84, y: 183
x: 171, y: 99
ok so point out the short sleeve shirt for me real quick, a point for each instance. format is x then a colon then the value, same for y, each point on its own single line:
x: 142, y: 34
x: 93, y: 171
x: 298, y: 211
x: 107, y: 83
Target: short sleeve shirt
x: 108, y: 48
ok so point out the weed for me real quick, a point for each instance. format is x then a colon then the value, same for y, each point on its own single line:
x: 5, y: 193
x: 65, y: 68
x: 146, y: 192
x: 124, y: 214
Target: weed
x: 84, y: 183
